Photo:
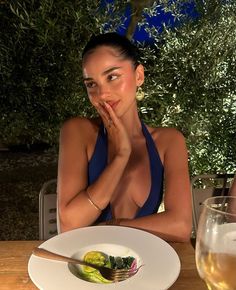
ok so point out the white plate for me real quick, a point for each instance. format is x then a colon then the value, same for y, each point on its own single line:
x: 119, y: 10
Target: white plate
x: 161, y: 263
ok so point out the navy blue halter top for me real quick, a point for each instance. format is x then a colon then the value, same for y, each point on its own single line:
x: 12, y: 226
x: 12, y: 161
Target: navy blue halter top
x: 98, y: 162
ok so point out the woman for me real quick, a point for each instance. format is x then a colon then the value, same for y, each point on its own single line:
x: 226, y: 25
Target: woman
x: 111, y: 169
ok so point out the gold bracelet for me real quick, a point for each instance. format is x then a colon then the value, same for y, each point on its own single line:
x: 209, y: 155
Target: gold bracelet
x: 91, y: 202
x: 113, y: 222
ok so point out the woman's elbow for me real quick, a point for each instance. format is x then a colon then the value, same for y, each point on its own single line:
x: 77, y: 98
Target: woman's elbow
x: 66, y: 222
x: 185, y: 230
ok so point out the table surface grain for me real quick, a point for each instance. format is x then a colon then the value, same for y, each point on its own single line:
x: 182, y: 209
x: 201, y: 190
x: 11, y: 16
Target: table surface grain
x: 14, y: 257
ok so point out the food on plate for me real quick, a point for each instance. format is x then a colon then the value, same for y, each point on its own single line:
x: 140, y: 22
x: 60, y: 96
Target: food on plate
x: 101, y: 259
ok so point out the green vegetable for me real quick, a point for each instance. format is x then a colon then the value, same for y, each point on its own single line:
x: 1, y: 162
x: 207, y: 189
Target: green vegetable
x: 101, y: 259
x: 91, y: 274
x: 121, y: 263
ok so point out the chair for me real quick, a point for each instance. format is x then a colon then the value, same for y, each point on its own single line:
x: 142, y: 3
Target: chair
x: 48, y: 210
x: 204, y: 186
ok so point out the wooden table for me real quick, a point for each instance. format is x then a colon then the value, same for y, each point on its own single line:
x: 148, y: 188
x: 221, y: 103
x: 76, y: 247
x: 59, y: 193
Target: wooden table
x: 14, y: 256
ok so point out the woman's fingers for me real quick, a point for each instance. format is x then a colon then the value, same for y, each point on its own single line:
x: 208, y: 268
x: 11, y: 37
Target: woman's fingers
x: 108, y: 115
x: 103, y: 112
x: 118, y: 136
x: 112, y: 116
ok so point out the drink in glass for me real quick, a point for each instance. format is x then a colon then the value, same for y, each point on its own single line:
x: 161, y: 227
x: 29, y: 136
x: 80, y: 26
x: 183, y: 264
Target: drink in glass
x: 216, y: 243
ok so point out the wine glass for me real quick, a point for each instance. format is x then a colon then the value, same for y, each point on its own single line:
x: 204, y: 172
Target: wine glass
x: 216, y: 243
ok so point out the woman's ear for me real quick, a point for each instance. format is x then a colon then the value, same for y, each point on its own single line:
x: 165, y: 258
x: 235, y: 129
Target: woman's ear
x: 139, y: 75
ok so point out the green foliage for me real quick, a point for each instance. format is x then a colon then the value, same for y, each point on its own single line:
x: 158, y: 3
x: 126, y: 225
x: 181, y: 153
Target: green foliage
x: 191, y: 85
x: 190, y: 72
x: 40, y: 52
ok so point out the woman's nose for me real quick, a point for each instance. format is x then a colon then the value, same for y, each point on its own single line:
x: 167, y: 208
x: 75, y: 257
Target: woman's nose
x: 103, y: 92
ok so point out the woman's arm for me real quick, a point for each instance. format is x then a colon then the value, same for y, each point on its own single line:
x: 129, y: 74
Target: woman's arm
x: 79, y: 203
x: 175, y: 223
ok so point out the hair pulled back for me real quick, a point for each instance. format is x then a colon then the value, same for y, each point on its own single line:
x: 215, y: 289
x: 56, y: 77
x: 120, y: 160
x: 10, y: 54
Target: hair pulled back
x: 126, y: 49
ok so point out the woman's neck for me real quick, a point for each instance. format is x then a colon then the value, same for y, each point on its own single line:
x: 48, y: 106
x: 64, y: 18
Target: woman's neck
x: 132, y: 123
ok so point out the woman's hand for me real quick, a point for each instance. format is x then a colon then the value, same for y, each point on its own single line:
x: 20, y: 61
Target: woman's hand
x: 117, y: 134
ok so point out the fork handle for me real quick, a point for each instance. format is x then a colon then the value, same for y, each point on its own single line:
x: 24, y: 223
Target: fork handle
x: 43, y: 253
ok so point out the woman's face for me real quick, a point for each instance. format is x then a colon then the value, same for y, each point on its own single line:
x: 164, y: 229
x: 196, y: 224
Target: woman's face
x: 110, y: 78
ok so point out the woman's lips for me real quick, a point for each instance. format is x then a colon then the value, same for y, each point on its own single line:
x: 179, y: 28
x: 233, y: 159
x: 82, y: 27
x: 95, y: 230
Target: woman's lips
x: 113, y: 104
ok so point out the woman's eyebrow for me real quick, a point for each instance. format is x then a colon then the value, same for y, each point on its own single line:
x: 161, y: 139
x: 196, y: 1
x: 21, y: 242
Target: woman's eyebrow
x: 110, y: 70
x: 87, y: 79
x: 103, y: 73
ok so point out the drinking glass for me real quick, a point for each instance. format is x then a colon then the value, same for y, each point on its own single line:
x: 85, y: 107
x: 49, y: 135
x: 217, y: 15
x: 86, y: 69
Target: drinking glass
x: 216, y: 243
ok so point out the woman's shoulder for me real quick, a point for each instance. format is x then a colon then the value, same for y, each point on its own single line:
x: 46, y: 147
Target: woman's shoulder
x: 166, y: 133
x: 80, y: 128
x: 81, y: 124
x: 168, y: 139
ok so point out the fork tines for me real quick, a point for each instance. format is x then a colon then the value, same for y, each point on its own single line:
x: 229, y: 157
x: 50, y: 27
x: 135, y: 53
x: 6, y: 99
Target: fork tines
x: 122, y: 274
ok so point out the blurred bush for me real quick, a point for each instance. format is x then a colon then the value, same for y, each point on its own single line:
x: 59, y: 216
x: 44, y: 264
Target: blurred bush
x: 190, y: 71
x: 191, y: 81
x: 41, y: 43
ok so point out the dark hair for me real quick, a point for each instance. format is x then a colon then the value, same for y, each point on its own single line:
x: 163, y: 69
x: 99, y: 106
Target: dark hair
x: 121, y: 43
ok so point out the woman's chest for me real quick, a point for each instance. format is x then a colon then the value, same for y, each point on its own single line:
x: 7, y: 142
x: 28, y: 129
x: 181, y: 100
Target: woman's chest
x: 135, y: 183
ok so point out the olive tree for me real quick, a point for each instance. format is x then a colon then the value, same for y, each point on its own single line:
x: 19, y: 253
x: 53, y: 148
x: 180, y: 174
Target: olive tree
x: 190, y: 69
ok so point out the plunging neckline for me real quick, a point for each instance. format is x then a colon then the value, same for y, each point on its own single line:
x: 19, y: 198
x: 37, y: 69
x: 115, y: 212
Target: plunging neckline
x: 154, y: 197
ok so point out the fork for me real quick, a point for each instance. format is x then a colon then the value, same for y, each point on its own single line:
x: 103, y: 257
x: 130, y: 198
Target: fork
x: 115, y: 275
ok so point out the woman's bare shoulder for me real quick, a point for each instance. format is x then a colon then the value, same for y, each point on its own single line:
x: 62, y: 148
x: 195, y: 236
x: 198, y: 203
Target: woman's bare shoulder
x: 166, y: 134
x: 79, y: 128
x: 167, y: 140
x: 81, y: 124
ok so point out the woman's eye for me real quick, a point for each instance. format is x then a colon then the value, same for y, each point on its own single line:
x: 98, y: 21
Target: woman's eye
x: 112, y: 77
x: 90, y: 85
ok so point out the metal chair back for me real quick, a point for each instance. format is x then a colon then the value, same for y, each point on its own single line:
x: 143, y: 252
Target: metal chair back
x: 48, y: 210
x: 204, y: 186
